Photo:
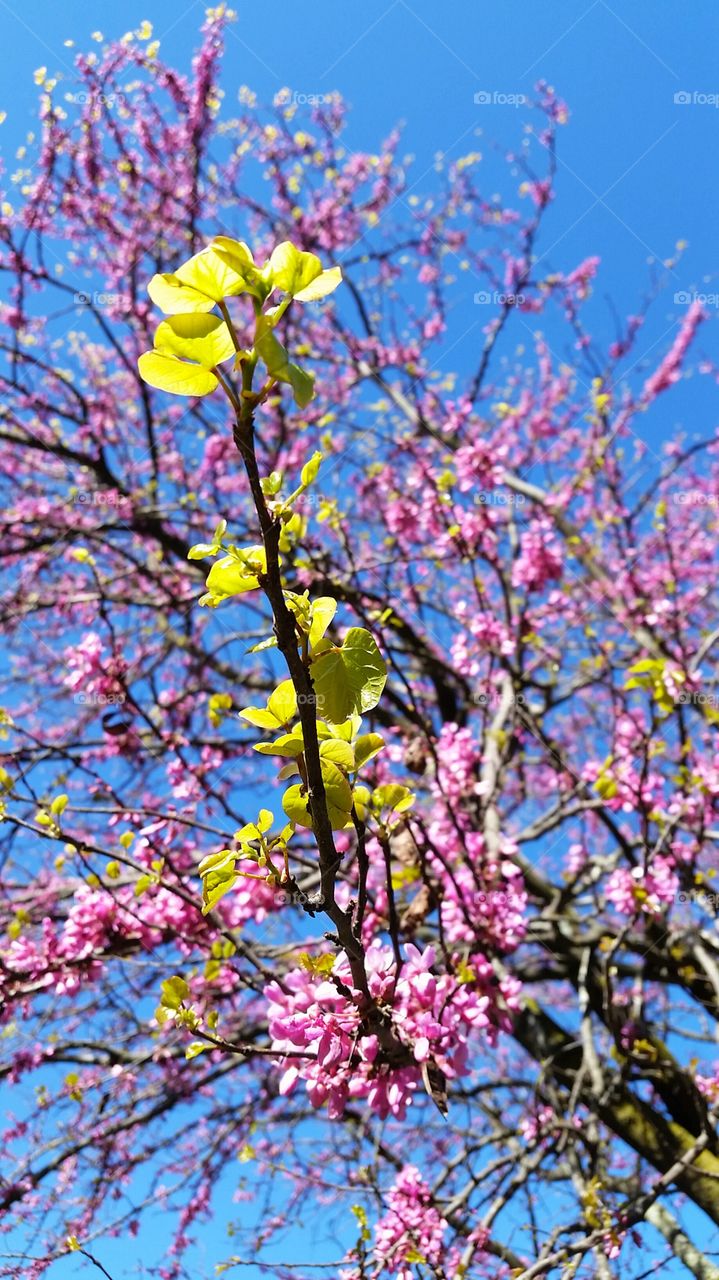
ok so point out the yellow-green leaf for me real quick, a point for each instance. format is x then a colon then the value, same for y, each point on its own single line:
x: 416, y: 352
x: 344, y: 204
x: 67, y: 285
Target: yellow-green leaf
x: 338, y: 794
x: 289, y: 744
x: 199, y: 337
x: 174, y: 991
x: 196, y: 1047
x: 260, y: 717
x: 238, y: 572
x: 349, y: 679
x: 310, y: 470
x: 319, y: 288
x: 167, y: 373
x: 339, y: 752
x: 366, y: 747
x: 300, y: 274
x: 321, y: 615
x: 283, y: 702
x: 197, y: 285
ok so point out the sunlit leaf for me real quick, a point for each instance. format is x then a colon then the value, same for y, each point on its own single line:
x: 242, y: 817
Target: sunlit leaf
x: 202, y: 338
x: 301, y: 274
x: 178, y: 377
x: 339, y: 752
x: 283, y: 702
x: 350, y: 678
x: 322, y: 613
x: 338, y: 795
x: 238, y: 572
x: 366, y: 747
x: 173, y: 992
x: 197, y: 285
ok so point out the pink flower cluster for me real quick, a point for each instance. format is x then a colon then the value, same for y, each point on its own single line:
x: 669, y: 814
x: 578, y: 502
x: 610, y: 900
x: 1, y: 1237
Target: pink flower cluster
x: 484, y: 900
x: 90, y: 670
x: 669, y: 370
x: 649, y: 890
x: 412, y: 1226
x: 540, y: 558
x: 432, y: 1015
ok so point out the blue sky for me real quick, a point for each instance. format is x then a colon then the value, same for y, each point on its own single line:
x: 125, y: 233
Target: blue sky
x: 635, y: 172
x: 636, y: 166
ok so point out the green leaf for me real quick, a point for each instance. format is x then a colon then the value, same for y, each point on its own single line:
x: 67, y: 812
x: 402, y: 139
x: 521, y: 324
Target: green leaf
x: 311, y: 469
x: 288, y: 744
x: 366, y: 666
x: 199, y: 337
x: 197, y: 1046
x: 338, y: 794
x: 321, y: 615
x: 173, y: 992
x: 282, y: 703
x: 349, y: 679
x: 339, y: 752
x: 392, y: 797
x: 303, y: 384
x: 202, y: 550
x: 366, y: 747
x: 238, y: 572
x: 279, y: 366
x: 167, y: 373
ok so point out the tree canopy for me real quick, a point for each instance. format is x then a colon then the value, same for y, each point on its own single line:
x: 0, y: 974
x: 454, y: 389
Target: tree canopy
x: 441, y: 999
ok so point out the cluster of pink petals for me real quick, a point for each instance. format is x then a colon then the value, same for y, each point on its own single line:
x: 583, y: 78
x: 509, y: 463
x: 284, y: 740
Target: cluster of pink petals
x: 61, y: 956
x: 90, y: 670
x: 540, y: 558
x: 432, y: 1015
x: 649, y: 889
x: 484, y: 900
x: 411, y: 1226
x: 670, y: 368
